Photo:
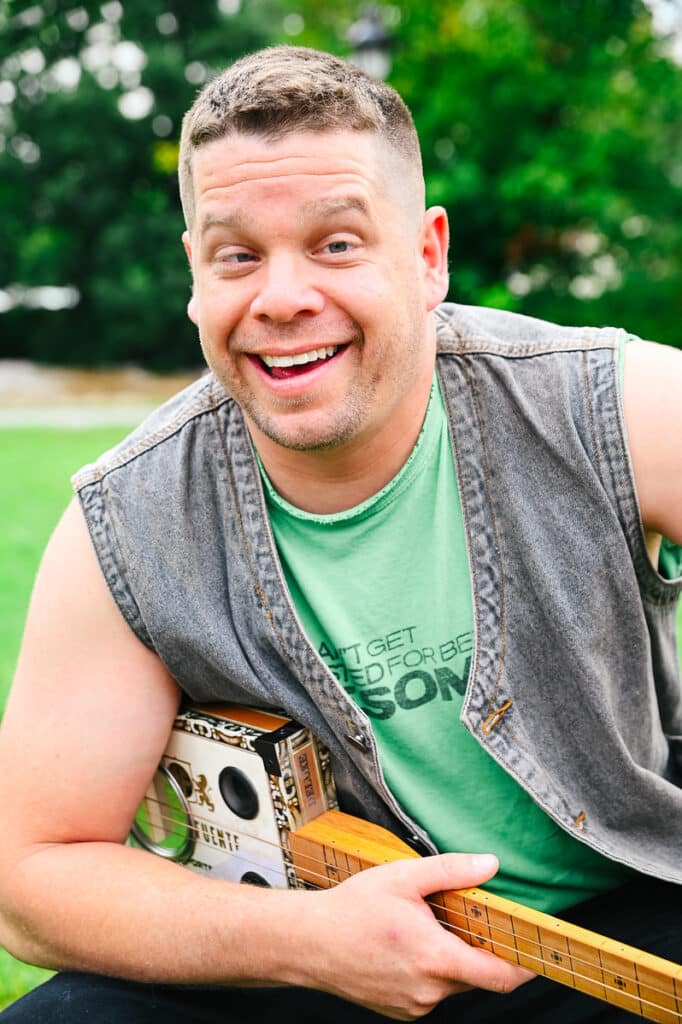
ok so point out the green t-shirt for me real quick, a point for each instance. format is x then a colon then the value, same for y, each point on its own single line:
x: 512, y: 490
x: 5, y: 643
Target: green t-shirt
x: 384, y: 594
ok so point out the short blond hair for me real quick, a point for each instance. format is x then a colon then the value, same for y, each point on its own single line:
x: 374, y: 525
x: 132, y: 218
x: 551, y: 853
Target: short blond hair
x: 285, y: 89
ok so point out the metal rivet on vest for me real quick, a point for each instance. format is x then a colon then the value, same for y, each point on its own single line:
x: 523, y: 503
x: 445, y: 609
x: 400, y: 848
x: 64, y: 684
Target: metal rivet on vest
x: 495, y: 717
x: 417, y: 844
x: 357, y: 740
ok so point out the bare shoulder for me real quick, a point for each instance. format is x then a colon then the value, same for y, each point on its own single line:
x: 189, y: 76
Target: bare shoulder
x: 653, y: 417
x: 89, y: 704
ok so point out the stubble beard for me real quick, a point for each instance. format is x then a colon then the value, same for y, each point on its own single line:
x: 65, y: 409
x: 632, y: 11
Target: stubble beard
x: 341, y: 425
x: 338, y: 428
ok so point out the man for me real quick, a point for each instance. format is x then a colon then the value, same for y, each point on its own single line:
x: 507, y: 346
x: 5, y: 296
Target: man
x: 443, y: 575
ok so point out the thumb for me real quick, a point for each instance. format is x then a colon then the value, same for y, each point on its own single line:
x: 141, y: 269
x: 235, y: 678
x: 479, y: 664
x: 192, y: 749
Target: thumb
x: 453, y: 871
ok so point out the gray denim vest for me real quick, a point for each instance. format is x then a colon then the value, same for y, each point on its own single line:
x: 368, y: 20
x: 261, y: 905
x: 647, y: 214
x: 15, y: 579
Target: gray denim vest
x: 574, y: 684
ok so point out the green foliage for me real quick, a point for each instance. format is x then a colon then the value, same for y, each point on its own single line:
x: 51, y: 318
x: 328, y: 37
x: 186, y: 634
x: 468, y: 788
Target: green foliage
x: 16, y: 978
x: 99, y: 209
x: 551, y: 132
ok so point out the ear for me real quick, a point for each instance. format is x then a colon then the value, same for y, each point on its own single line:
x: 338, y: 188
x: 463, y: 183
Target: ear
x: 434, y: 240
x: 193, y: 304
x: 193, y: 309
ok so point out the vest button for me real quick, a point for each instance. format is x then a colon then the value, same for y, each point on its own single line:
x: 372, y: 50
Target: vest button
x: 357, y: 741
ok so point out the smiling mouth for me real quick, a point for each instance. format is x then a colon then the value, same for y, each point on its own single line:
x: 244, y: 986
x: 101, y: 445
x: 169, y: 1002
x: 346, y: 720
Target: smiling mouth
x: 283, y: 367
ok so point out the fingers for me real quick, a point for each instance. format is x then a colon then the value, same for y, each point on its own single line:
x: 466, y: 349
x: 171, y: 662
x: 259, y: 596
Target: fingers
x: 451, y: 871
x: 484, y: 970
x: 464, y: 965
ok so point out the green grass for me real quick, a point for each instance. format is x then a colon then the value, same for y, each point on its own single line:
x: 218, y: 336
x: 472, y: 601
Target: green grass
x: 35, y: 467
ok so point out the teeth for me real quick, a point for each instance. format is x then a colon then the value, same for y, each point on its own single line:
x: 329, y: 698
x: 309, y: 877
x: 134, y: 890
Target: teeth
x: 304, y: 357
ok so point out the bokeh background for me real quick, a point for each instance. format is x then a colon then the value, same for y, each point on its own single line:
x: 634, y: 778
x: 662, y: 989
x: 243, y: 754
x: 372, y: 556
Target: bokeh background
x: 551, y: 131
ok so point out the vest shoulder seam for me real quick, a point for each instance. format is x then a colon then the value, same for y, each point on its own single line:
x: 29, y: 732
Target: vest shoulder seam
x: 450, y: 344
x: 209, y: 397
x: 478, y: 330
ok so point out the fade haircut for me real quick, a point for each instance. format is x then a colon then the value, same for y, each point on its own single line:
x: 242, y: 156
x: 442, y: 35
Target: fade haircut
x: 285, y: 89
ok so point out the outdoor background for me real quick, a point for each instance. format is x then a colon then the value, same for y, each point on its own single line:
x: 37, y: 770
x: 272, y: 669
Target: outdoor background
x: 551, y: 131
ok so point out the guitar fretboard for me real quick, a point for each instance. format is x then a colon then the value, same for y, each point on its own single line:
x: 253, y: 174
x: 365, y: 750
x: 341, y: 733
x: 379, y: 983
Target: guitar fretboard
x: 335, y: 846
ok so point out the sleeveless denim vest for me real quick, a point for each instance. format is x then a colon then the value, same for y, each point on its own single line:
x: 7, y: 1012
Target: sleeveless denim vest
x: 574, y: 684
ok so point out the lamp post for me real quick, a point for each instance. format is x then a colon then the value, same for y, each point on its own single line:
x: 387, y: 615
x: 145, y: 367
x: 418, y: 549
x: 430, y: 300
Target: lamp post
x: 370, y: 43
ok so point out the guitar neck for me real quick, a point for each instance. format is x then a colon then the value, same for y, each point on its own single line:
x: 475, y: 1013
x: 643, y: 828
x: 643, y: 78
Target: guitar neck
x: 245, y: 795
x: 334, y: 846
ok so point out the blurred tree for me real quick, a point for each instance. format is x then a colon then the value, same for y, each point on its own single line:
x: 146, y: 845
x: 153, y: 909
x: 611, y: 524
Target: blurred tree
x: 551, y: 131
x: 91, y: 100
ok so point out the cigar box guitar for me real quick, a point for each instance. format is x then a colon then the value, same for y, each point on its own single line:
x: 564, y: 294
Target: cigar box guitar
x: 246, y: 795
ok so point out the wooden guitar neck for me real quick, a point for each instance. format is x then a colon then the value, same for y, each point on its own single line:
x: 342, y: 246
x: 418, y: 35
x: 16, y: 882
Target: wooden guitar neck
x: 334, y: 846
x: 245, y: 795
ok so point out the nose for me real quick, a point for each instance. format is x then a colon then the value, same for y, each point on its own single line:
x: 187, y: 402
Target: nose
x: 286, y: 291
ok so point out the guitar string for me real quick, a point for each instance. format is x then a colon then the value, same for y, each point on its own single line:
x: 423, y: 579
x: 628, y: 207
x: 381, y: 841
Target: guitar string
x: 324, y: 877
x: 438, y: 906
x: 188, y: 827
x: 495, y: 942
x: 573, y: 974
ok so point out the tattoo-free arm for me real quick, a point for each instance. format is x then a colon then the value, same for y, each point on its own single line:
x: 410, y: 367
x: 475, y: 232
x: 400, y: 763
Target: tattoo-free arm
x: 85, y: 726
x: 653, y: 416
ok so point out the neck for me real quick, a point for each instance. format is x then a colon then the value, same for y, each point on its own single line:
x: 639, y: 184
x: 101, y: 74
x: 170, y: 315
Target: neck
x: 333, y: 480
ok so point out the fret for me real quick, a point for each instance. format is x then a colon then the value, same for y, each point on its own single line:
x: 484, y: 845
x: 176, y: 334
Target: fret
x: 638, y: 983
x: 331, y: 864
x: 502, y: 934
x: 306, y: 856
x: 666, y: 998
x: 335, y: 845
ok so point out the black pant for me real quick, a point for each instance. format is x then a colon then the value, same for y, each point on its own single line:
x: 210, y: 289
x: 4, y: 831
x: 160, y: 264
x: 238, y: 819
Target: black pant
x: 646, y: 914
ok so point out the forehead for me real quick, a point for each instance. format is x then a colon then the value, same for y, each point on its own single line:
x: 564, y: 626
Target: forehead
x: 304, y: 167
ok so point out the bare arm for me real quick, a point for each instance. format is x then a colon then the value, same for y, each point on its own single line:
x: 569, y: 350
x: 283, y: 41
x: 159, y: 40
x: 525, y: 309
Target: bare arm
x: 653, y: 415
x: 87, y: 721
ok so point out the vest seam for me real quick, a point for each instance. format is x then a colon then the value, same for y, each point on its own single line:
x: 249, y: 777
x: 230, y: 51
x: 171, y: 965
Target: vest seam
x: 540, y: 766
x: 96, y: 472
x: 589, y: 411
x: 258, y: 590
x: 525, y: 350
x: 302, y: 674
x: 140, y: 628
x: 466, y: 519
x: 494, y: 529
x: 654, y: 590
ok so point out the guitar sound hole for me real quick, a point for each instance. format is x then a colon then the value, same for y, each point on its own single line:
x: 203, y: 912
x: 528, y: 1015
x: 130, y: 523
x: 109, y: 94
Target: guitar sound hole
x: 238, y: 792
x: 182, y: 777
x: 253, y: 878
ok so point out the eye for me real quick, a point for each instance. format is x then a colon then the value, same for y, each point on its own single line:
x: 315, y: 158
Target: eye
x: 231, y: 260
x: 338, y: 247
x: 237, y: 257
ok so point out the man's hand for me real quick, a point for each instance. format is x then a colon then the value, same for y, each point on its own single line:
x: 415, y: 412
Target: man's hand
x: 374, y: 940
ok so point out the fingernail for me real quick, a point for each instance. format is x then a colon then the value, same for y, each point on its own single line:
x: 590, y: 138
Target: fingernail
x: 486, y: 863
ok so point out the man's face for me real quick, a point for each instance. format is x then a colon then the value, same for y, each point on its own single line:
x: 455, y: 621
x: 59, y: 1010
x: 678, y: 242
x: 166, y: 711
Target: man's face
x: 314, y: 273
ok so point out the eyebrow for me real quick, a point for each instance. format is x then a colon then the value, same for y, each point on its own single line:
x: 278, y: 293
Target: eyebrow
x: 316, y: 209
x: 227, y: 220
x: 329, y: 207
